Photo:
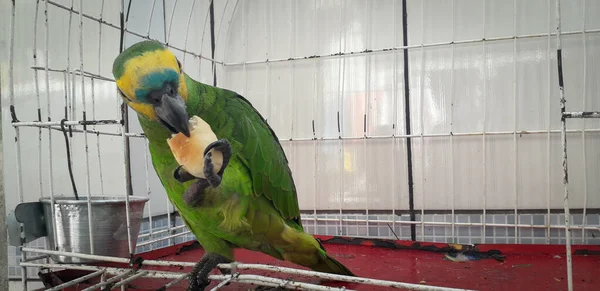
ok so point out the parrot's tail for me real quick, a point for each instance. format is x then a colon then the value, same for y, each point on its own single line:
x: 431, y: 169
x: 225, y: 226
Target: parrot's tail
x: 304, y: 249
x: 327, y: 264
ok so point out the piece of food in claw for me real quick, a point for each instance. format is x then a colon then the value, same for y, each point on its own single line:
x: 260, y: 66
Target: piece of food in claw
x: 189, y: 152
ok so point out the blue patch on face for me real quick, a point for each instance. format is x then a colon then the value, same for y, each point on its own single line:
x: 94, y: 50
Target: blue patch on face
x: 155, y: 81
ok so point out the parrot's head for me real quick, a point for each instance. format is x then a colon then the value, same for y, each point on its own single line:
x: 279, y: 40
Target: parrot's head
x: 151, y: 81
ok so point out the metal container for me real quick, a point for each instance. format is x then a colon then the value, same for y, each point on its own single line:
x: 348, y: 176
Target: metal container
x: 109, y: 225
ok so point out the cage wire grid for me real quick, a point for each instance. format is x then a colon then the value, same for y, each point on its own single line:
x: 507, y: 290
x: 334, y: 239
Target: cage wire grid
x: 162, y: 232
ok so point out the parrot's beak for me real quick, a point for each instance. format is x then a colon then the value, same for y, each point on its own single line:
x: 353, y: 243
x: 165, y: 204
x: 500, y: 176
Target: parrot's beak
x: 172, y: 114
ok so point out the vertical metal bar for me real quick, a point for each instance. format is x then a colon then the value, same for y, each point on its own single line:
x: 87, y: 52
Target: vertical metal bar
x: 245, y: 36
x: 206, y: 16
x: 407, y: 120
x: 515, y: 144
x: 267, y: 64
x: 101, y: 177
x: 583, y: 121
x: 150, y: 20
x: 68, y: 94
x: 168, y: 202
x: 341, y: 79
x: 292, y: 100
x: 49, y: 112
x: 187, y: 30
x: 85, y: 135
x: 11, y: 94
x: 563, y: 134
x: 221, y: 26
x: 395, y: 122
x: 37, y: 96
x: 315, y: 104
x: 164, y: 5
x: 483, y: 136
x: 3, y: 230
x: 149, y: 192
x: 168, y: 36
x: 126, y: 152
x: 422, y: 95
x: 3, y: 225
x: 451, y: 122
x: 548, y: 120
x: 366, y: 104
x: 267, y: 11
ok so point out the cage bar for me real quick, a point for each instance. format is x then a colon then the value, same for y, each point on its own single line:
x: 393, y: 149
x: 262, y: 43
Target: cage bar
x: 583, y: 122
x: 584, y: 114
x: 421, y: 122
x: 77, y: 281
x: 423, y: 45
x: 131, y: 32
x: 239, y: 278
x: 548, y: 120
x: 11, y: 94
x: 85, y: 134
x: 483, y: 134
x: 563, y: 122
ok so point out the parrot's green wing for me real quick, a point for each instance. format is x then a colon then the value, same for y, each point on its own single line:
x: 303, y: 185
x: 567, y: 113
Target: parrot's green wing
x: 262, y: 153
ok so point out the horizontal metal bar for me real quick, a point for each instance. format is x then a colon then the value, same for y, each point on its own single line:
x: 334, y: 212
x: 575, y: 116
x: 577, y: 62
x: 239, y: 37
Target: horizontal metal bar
x: 222, y: 284
x: 335, y: 277
x: 111, y: 280
x: 588, y: 114
x: 168, y: 285
x: 130, y: 279
x: 98, y: 132
x: 76, y: 72
x: 68, y: 122
x: 248, y: 278
x: 109, y: 259
x: 390, y: 49
x: 282, y: 283
x: 36, y: 258
x: 593, y: 130
x: 441, y: 223
x: 109, y: 270
x: 480, y: 133
x: 77, y: 281
x: 161, y: 231
x: 129, y: 31
x: 162, y: 238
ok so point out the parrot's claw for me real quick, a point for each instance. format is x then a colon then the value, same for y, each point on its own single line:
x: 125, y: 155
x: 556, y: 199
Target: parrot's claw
x: 222, y: 145
x: 198, y: 279
x: 182, y: 176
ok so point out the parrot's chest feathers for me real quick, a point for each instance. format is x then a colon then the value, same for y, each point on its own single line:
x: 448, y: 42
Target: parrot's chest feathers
x: 189, y: 152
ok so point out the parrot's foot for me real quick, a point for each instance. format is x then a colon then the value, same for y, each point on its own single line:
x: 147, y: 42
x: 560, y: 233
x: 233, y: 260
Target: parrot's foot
x: 194, y: 194
x: 222, y: 145
x: 198, y: 279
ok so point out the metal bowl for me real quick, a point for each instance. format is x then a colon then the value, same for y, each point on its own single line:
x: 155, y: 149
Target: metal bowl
x: 109, y: 225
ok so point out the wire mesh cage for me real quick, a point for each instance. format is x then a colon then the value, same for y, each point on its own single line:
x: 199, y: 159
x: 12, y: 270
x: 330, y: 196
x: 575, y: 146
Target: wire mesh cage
x: 438, y: 122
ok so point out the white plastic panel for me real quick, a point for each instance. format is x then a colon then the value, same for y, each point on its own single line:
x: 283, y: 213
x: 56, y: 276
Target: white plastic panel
x: 497, y: 86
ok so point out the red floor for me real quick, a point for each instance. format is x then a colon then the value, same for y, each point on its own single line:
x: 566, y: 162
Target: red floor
x: 525, y: 267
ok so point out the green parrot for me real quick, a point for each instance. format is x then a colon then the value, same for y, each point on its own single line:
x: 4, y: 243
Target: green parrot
x: 251, y: 202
